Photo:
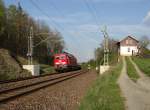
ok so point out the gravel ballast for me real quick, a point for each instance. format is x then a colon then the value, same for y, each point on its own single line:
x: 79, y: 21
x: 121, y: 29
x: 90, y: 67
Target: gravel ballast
x: 62, y: 96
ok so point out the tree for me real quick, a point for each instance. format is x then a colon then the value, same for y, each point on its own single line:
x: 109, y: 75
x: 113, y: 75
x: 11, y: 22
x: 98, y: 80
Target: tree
x: 15, y: 26
x: 2, y: 21
x: 113, y: 52
x: 144, y: 42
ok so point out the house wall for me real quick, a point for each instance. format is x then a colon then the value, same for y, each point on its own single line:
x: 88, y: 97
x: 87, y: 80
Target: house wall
x: 124, y: 50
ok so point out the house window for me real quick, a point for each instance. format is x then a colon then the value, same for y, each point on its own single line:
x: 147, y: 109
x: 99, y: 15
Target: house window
x: 128, y: 49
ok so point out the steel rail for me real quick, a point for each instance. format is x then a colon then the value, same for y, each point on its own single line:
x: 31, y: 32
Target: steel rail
x: 25, y: 78
x: 37, y: 82
x: 16, y: 92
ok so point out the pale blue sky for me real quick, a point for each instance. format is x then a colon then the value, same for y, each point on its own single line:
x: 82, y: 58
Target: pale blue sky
x: 80, y: 21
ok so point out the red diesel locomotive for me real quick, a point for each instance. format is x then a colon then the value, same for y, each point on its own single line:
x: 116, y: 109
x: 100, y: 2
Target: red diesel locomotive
x: 65, y: 61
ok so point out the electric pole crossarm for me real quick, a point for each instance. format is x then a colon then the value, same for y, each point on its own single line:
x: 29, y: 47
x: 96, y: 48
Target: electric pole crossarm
x: 41, y: 42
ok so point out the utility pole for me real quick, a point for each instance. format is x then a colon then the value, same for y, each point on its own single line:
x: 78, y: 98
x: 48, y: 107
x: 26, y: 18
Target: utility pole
x: 105, y: 66
x: 30, y: 47
x: 106, y: 48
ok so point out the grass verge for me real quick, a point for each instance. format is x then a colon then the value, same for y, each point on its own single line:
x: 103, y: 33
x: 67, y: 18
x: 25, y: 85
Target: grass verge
x: 131, y: 71
x: 143, y: 64
x: 47, y: 69
x: 105, y: 93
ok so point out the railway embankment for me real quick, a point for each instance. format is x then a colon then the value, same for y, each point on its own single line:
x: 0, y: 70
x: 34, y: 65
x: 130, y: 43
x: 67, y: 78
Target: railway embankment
x: 10, y: 67
x: 65, y: 95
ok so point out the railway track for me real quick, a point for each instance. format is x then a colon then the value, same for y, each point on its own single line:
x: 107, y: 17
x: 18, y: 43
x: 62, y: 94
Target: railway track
x: 29, y: 85
x: 26, y: 78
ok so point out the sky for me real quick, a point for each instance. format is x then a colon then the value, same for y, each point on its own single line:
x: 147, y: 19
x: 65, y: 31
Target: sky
x: 81, y: 21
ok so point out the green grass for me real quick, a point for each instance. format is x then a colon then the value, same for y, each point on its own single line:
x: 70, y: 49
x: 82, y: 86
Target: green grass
x: 143, y: 64
x: 113, y: 58
x: 46, y: 69
x: 131, y: 71
x: 105, y: 93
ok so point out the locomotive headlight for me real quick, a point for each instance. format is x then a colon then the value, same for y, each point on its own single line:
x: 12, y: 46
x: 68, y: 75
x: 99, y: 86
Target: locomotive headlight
x: 57, y: 63
x: 63, y: 63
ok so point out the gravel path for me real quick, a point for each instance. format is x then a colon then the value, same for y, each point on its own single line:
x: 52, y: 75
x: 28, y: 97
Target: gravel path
x: 137, y: 96
x: 63, y: 96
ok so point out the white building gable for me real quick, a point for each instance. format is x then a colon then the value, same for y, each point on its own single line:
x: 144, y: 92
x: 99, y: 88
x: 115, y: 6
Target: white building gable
x: 128, y: 46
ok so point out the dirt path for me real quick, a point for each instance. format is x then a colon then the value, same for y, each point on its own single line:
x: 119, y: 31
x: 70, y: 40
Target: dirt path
x: 137, y: 97
x: 143, y: 80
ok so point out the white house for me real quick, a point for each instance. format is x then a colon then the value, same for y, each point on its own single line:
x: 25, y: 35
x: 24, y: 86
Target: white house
x: 128, y: 46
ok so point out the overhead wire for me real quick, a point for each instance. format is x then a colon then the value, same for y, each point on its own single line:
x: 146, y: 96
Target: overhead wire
x: 43, y: 12
x: 55, y: 7
x: 62, y: 14
x: 76, y: 33
x: 96, y: 17
x: 54, y: 22
x: 92, y: 12
x: 52, y: 4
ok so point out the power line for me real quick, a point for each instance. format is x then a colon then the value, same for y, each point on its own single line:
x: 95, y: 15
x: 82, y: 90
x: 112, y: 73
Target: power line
x: 46, y: 14
x: 56, y: 8
x: 42, y: 11
x: 94, y: 9
x: 91, y: 11
x: 62, y: 14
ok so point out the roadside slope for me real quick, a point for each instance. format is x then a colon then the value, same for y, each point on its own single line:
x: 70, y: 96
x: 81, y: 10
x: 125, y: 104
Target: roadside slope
x: 10, y: 68
x: 105, y: 93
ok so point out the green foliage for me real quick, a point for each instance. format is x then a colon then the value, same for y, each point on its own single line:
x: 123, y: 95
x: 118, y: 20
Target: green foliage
x: 105, y: 93
x: 92, y: 64
x: 145, y: 53
x: 144, y: 41
x: 99, y: 54
x: 113, y: 58
x: 10, y: 66
x: 15, y: 29
x: 113, y: 53
x: 131, y: 71
x: 2, y: 18
x: 143, y: 64
x: 2, y: 9
x: 84, y: 65
x: 46, y: 69
x: 9, y: 73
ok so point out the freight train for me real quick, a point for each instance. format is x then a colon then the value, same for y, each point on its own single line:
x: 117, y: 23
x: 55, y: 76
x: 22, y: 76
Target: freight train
x: 65, y: 62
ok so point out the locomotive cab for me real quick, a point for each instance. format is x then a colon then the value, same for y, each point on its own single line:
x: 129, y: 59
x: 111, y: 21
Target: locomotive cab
x: 60, y: 62
x: 65, y: 61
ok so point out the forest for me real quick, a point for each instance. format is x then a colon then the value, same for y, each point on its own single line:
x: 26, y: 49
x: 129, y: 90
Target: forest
x: 15, y: 24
